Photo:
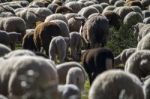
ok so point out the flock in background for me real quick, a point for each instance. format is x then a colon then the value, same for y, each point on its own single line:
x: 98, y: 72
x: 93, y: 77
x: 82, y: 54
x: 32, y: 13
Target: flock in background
x: 63, y: 44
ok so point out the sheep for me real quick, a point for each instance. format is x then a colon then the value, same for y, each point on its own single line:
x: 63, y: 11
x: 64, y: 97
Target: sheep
x: 112, y: 2
x: 13, y: 38
x: 103, y: 1
x: 75, y: 45
x: 95, y: 31
x: 6, y: 14
x: 123, y: 56
x: 143, y: 31
x: 37, y: 3
x: 33, y: 15
x: 9, y: 38
x: 32, y: 77
x: 138, y: 63
x: 123, y: 11
x: 68, y: 91
x: 19, y: 52
x: 53, y: 7
x: 59, y: 2
x: 97, y: 60
x: 134, y: 3
x: 119, y: 3
x: 63, y: 69
x: 28, y: 42
x: 4, y: 50
x: 146, y: 88
x: 23, y: 3
x: 114, y: 19
x: 144, y: 42
x: 146, y: 13
x: 44, y: 33
x: 136, y: 28
x: 137, y: 9
x: 146, y: 20
x: 88, y: 3
x: 6, y: 8
x: 63, y: 26
x: 63, y: 9
x: 132, y: 18
x: 74, y: 24
x: 108, y: 8
x: 76, y: 76
x: 86, y: 11
x: 70, y: 15
x: 145, y: 3
x: 98, y: 7
x: 14, y: 5
x: 56, y: 16
x: 3, y: 97
x: 57, y: 49
x: 104, y: 5
x: 4, y: 38
x: 9, y: 24
x: 76, y: 6
x: 116, y: 84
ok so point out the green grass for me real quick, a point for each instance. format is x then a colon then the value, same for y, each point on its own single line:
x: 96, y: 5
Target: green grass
x: 86, y: 92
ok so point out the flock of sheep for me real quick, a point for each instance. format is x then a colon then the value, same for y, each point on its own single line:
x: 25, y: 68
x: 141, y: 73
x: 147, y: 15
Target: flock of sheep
x: 63, y: 44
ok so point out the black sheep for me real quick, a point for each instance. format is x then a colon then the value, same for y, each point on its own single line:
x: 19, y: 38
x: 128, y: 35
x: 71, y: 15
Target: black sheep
x: 95, y: 61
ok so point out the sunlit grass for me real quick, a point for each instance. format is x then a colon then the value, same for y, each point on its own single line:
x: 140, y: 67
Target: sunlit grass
x: 87, y: 87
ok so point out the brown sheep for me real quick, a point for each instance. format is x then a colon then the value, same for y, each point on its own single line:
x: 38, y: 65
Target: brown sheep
x: 28, y: 42
x: 95, y: 31
x: 96, y: 61
x: 44, y: 33
x: 114, y: 19
x: 135, y: 3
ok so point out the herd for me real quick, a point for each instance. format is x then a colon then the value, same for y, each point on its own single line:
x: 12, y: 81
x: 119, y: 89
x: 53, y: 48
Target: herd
x: 49, y: 49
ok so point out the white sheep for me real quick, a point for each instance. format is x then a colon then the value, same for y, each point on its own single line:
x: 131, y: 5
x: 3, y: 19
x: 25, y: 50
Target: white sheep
x: 56, y: 16
x: 75, y: 45
x: 146, y: 20
x: 132, y: 18
x: 123, y: 56
x: 76, y: 76
x: 57, y: 49
x: 9, y: 24
x: 76, y: 6
x: 33, y: 15
x: 144, y: 42
x: 98, y: 7
x: 138, y: 63
x: 116, y: 84
x: 4, y: 49
x: 146, y: 87
x: 32, y: 77
x: 68, y: 91
x: 87, y: 11
x: 108, y: 8
x: 19, y: 52
x: 63, y: 69
x: 119, y: 3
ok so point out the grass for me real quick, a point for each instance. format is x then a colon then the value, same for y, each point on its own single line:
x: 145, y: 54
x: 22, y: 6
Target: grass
x: 86, y: 91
